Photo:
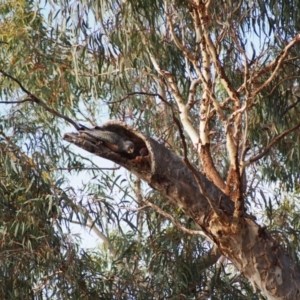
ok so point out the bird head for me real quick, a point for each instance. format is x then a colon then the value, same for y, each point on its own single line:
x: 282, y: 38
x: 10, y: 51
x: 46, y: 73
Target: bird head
x: 129, y: 146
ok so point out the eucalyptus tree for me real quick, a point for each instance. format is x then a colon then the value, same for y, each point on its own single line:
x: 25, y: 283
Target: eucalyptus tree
x: 208, y: 93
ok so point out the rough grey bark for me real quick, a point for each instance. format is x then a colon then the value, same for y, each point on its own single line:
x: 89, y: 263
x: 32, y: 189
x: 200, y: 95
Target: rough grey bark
x: 250, y: 247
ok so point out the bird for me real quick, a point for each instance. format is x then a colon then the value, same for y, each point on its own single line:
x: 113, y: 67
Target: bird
x: 110, y: 139
x: 143, y: 151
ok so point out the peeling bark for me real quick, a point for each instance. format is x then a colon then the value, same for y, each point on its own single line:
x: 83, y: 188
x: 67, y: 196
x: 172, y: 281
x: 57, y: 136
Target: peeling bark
x: 252, y: 250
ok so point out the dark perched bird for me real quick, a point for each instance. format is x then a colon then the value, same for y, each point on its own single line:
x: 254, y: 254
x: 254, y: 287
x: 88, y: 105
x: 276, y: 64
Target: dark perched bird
x: 144, y: 151
x: 110, y: 139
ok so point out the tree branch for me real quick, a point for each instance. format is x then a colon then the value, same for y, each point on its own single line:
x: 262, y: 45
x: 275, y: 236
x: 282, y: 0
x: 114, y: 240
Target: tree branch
x: 212, y: 204
x: 36, y: 100
x: 276, y: 64
x: 173, y: 220
x: 184, y: 116
x: 169, y: 174
x: 87, y: 168
x: 271, y: 144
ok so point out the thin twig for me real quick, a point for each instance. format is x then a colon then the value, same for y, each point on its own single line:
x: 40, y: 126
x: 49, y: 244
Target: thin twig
x: 88, y: 168
x: 274, y: 65
x: 133, y: 208
x: 173, y: 220
x: 271, y: 144
x: 36, y: 100
x: 44, y: 280
x: 136, y: 93
x: 291, y: 106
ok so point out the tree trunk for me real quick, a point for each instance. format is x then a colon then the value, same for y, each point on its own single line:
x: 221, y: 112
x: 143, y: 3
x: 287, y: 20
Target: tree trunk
x: 249, y: 247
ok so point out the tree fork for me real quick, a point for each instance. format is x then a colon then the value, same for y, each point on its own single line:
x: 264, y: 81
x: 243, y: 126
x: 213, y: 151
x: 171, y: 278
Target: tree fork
x: 253, y: 250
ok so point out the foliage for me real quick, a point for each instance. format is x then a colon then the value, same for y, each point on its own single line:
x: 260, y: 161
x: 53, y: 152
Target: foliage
x: 93, y: 60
